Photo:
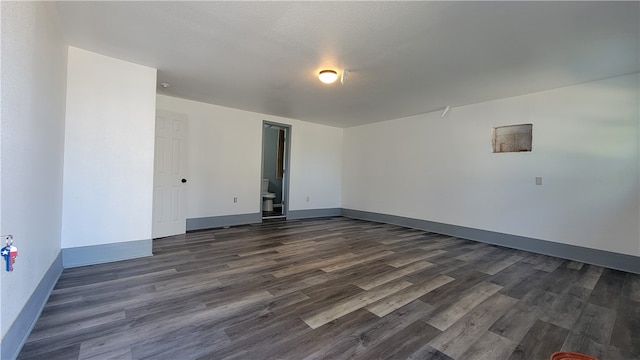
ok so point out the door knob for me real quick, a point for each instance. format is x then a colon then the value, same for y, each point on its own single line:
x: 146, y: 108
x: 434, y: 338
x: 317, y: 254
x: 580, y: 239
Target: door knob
x: 184, y: 181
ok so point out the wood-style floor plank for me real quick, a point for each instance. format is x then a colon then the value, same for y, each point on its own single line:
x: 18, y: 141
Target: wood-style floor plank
x: 373, y: 281
x: 461, y: 306
x: 457, y: 338
x: 490, y: 346
x: 403, y: 297
x: 542, y: 340
x: 336, y: 288
x: 402, y: 344
x: 353, y: 303
x: 518, y: 320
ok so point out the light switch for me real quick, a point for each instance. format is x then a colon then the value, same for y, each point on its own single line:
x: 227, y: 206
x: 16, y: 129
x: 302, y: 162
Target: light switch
x: 538, y: 180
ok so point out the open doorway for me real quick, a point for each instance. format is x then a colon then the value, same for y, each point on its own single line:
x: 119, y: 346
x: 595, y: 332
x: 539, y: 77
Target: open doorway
x: 275, y: 170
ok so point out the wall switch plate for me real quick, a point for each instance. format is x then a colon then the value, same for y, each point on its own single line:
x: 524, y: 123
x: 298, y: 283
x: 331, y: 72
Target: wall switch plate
x: 538, y: 180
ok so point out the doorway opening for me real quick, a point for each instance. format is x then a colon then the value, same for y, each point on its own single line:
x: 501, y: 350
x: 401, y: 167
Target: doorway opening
x: 275, y: 170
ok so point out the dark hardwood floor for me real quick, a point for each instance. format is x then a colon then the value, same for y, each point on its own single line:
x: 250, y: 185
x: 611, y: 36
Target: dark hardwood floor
x: 337, y: 288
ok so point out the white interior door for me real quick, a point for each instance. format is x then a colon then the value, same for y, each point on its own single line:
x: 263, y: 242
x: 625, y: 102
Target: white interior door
x: 169, y: 183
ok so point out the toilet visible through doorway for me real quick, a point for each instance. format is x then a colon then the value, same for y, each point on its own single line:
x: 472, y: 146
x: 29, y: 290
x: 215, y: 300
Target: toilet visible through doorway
x: 267, y: 197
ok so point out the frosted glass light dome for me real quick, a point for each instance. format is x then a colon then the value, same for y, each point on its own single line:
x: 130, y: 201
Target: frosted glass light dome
x: 328, y: 76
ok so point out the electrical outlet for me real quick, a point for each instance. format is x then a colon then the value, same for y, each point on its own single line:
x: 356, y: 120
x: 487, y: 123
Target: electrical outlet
x: 307, y: 199
x: 235, y: 199
x: 538, y: 180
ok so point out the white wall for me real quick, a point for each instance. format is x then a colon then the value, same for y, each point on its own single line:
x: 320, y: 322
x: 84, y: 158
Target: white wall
x: 34, y: 63
x: 316, y: 166
x: 585, y: 146
x: 224, y: 160
x: 108, y: 155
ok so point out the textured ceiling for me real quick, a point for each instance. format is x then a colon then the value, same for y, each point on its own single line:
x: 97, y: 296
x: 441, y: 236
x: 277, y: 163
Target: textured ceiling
x: 403, y: 58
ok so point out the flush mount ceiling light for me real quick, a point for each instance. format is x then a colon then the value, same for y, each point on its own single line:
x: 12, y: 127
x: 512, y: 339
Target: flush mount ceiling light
x: 328, y: 76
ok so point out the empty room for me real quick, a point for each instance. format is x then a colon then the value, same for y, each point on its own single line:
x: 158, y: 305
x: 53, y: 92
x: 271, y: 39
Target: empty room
x: 320, y: 180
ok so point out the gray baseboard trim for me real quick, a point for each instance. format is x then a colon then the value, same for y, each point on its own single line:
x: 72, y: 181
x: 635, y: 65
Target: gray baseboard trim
x: 313, y: 213
x: 222, y: 221
x: 19, y: 331
x: 104, y: 253
x: 603, y: 258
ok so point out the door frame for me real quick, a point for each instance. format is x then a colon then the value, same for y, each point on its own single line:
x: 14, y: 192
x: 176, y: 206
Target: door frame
x: 286, y: 165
